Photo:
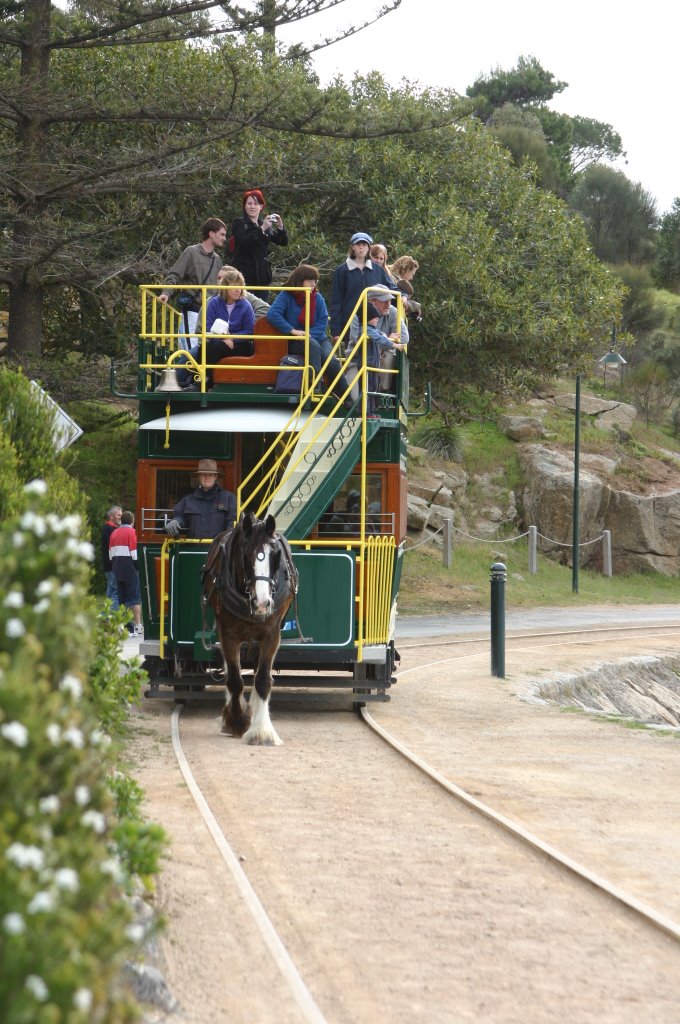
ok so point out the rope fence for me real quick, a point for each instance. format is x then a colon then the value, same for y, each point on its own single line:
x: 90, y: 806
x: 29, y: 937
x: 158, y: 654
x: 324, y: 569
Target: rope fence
x: 448, y: 529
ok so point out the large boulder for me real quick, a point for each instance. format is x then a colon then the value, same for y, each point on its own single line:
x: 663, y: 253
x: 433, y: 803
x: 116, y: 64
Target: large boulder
x: 645, y: 529
x: 606, y: 414
x: 520, y: 428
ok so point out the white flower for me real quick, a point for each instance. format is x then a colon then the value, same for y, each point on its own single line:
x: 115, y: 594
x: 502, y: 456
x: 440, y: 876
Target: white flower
x: 66, y: 590
x: 30, y: 521
x: 82, y: 1000
x: 135, y: 932
x: 82, y: 795
x: 111, y: 866
x: 67, y: 879
x: 13, y: 924
x: 82, y: 548
x: 15, y: 732
x: 37, y: 987
x: 41, y: 606
x: 18, y: 540
x: 44, y: 588
x: 41, y: 903
x: 49, y: 804
x: 14, y: 628
x: 71, y: 524
x: 95, y: 819
x: 14, y: 599
x: 71, y: 684
x: 53, y: 733
x: 36, y: 487
x: 25, y: 856
x: 99, y: 738
x: 74, y: 736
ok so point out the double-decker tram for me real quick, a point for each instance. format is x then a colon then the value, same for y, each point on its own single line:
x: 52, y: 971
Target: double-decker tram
x: 332, y: 475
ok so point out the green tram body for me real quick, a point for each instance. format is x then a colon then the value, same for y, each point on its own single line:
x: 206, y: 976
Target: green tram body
x: 299, y: 457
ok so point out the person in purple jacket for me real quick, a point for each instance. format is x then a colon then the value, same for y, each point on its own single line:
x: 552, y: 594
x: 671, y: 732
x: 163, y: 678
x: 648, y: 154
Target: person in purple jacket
x: 227, y: 314
x: 350, y: 279
x: 288, y: 314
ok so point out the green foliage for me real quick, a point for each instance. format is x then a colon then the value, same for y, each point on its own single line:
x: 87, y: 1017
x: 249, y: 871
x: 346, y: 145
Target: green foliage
x: 440, y: 440
x: 71, y: 834
x: 650, y: 387
x: 620, y: 216
x: 63, y: 924
x: 667, y: 267
x: 527, y: 84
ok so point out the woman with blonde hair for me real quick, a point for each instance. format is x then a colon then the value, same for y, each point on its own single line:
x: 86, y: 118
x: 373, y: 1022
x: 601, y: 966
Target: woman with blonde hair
x: 404, y: 268
x: 228, y: 313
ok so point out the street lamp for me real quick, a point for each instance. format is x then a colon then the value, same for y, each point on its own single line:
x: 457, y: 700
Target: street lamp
x: 575, y: 513
x: 612, y: 358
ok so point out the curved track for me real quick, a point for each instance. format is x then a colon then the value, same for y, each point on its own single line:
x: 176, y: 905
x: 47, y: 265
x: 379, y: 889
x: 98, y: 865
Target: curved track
x: 314, y: 964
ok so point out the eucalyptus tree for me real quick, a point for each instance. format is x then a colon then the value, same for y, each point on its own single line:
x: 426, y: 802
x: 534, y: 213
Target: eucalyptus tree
x: 109, y: 110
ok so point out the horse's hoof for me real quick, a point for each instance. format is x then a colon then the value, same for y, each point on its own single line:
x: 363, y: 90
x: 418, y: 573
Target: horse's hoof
x: 262, y: 739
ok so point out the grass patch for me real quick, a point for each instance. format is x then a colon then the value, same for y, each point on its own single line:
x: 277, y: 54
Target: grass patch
x: 428, y: 588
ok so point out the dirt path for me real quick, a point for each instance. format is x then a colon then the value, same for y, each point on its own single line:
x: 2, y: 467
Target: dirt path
x: 398, y: 906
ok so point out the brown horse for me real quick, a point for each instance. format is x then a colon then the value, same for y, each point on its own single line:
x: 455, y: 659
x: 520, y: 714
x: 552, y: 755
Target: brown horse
x: 249, y: 581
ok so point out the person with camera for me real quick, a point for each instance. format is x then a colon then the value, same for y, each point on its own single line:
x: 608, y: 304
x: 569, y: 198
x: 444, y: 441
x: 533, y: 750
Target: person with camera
x: 198, y: 264
x: 253, y: 236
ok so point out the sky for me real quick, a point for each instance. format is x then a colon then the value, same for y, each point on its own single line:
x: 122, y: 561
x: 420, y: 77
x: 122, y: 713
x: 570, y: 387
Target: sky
x: 620, y: 62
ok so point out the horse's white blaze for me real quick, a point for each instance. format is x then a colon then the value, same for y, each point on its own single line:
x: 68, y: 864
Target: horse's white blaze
x: 263, y: 593
x: 261, y: 729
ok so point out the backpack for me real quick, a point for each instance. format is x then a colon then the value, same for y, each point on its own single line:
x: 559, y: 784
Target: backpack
x: 289, y: 382
x: 231, y: 245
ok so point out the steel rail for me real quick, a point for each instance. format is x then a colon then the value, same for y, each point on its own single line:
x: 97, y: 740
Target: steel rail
x: 651, y: 916
x: 301, y: 994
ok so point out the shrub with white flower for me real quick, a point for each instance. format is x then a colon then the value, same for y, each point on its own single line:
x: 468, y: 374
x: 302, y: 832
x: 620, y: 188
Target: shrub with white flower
x: 71, y: 836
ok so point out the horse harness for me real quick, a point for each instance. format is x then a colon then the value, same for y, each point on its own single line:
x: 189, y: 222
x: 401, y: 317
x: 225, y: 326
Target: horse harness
x: 216, y: 575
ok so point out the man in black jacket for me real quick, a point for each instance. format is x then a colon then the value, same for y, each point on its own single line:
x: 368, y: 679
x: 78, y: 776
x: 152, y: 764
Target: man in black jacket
x: 207, y: 511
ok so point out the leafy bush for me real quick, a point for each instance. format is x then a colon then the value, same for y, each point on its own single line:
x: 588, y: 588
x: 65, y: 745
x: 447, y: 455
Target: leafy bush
x: 72, y: 840
x: 64, y: 929
x: 440, y: 440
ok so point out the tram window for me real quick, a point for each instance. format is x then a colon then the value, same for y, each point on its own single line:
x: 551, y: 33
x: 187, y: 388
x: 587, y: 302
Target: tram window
x: 343, y: 515
x: 173, y: 484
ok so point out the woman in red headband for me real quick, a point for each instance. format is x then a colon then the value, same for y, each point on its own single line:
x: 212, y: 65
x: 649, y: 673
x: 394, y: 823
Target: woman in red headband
x: 253, y: 236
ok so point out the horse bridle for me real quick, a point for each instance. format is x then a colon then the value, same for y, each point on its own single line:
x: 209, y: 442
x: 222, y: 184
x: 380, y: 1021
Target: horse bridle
x: 271, y: 580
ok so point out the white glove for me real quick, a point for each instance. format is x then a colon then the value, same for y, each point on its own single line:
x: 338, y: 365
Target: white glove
x: 174, y: 528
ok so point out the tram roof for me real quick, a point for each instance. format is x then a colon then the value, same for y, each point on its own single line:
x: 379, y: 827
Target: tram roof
x: 245, y: 420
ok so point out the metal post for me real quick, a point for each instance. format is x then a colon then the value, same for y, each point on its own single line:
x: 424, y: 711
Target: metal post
x: 575, y: 525
x: 498, y: 577
x: 447, y: 538
x: 533, y: 544
x: 607, y: 552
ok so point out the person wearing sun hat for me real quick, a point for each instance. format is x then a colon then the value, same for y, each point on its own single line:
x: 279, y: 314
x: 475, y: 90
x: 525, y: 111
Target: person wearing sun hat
x: 253, y: 236
x: 350, y: 279
x: 207, y: 511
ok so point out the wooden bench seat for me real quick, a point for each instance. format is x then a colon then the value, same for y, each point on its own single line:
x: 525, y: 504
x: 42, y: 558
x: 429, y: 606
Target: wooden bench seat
x: 268, y: 352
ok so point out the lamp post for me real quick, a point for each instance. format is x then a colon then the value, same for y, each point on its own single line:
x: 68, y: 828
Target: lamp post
x: 577, y: 451
x: 612, y: 358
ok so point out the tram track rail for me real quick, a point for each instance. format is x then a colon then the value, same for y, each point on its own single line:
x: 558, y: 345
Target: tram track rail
x: 304, y: 1001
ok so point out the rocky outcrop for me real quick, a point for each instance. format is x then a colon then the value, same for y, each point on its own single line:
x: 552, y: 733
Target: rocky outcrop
x: 606, y: 415
x: 645, y: 529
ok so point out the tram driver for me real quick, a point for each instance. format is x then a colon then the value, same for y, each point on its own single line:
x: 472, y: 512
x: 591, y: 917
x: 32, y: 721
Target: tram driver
x: 207, y: 511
